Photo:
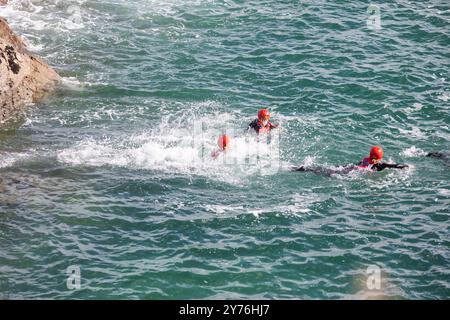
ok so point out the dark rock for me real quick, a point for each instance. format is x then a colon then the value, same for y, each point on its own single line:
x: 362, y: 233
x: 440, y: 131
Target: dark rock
x: 20, y: 74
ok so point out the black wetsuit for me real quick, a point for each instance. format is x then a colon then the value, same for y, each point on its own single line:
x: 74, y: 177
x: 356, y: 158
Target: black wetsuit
x: 381, y: 166
x: 257, y: 126
x: 343, y: 170
x: 326, y: 171
x: 441, y: 155
x: 437, y: 155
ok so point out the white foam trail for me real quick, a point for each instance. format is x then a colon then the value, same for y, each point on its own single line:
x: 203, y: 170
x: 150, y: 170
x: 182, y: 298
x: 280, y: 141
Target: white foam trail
x: 182, y: 143
x: 309, y: 161
x: 392, y: 177
x: 169, y: 154
x: 413, y: 152
x: 91, y: 153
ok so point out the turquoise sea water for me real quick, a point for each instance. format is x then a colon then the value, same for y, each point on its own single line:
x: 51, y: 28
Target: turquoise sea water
x: 107, y: 174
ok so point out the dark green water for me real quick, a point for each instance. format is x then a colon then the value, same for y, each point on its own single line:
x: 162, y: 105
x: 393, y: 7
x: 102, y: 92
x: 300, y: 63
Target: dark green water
x: 108, y: 175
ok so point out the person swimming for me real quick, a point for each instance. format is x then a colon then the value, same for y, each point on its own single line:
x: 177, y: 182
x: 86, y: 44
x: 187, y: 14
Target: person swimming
x: 223, y: 142
x: 441, y: 155
x: 262, y: 124
x: 372, y: 162
x: 445, y: 156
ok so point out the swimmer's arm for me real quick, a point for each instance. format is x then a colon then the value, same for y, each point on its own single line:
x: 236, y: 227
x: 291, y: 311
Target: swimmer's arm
x: 251, y: 126
x: 383, y: 166
x: 215, y: 154
x: 310, y: 169
x: 300, y: 168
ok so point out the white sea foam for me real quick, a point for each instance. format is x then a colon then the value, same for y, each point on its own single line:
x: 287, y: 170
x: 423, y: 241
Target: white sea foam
x: 172, y: 154
x: 394, y: 177
x: 74, y: 84
x: 53, y: 16
x: 415, y: 107
x: 256, y: 212
x: 414, y: 132
x: 444, y: 97
x: 182, y: 143
x: 444, y: 192
x: 300, y: 205
x: 309, y: 161
x: 221, y: 209
x: 33, y: 46
x: 6, y: 161
x: 413, y: 152
x: 9, y: 159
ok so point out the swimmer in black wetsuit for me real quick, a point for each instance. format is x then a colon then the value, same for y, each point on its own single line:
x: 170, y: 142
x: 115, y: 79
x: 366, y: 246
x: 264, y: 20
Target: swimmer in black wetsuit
x: 373, y: 162
x: 262, y: 124
x: 441, y: 155
x: 438, y: 155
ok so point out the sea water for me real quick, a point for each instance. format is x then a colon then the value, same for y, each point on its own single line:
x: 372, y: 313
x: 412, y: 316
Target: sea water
x: 109, y: 181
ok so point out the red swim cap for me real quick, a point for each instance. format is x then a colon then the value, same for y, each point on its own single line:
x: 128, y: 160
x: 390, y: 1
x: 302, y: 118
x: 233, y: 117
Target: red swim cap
x: 263, y: 114
x: 223, y: 141
x: 376, y: 153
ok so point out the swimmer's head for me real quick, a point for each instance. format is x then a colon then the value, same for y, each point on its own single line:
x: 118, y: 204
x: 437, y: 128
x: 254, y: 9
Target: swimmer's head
x: 223, y: 142
x: 264, y: 116
x: 376, y: 154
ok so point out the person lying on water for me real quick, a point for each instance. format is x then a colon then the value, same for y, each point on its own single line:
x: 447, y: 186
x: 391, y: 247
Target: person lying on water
x: 372, y: 162
x: 438, y: 155
x: 262, y: 124
x: 223, y: 142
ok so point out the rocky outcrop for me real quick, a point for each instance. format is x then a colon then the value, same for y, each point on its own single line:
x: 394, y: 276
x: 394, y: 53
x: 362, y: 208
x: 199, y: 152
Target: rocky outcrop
x: 23, y: 78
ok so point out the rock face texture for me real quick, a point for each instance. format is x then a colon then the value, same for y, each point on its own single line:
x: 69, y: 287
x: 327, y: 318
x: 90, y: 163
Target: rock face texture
x: 23, y: 77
